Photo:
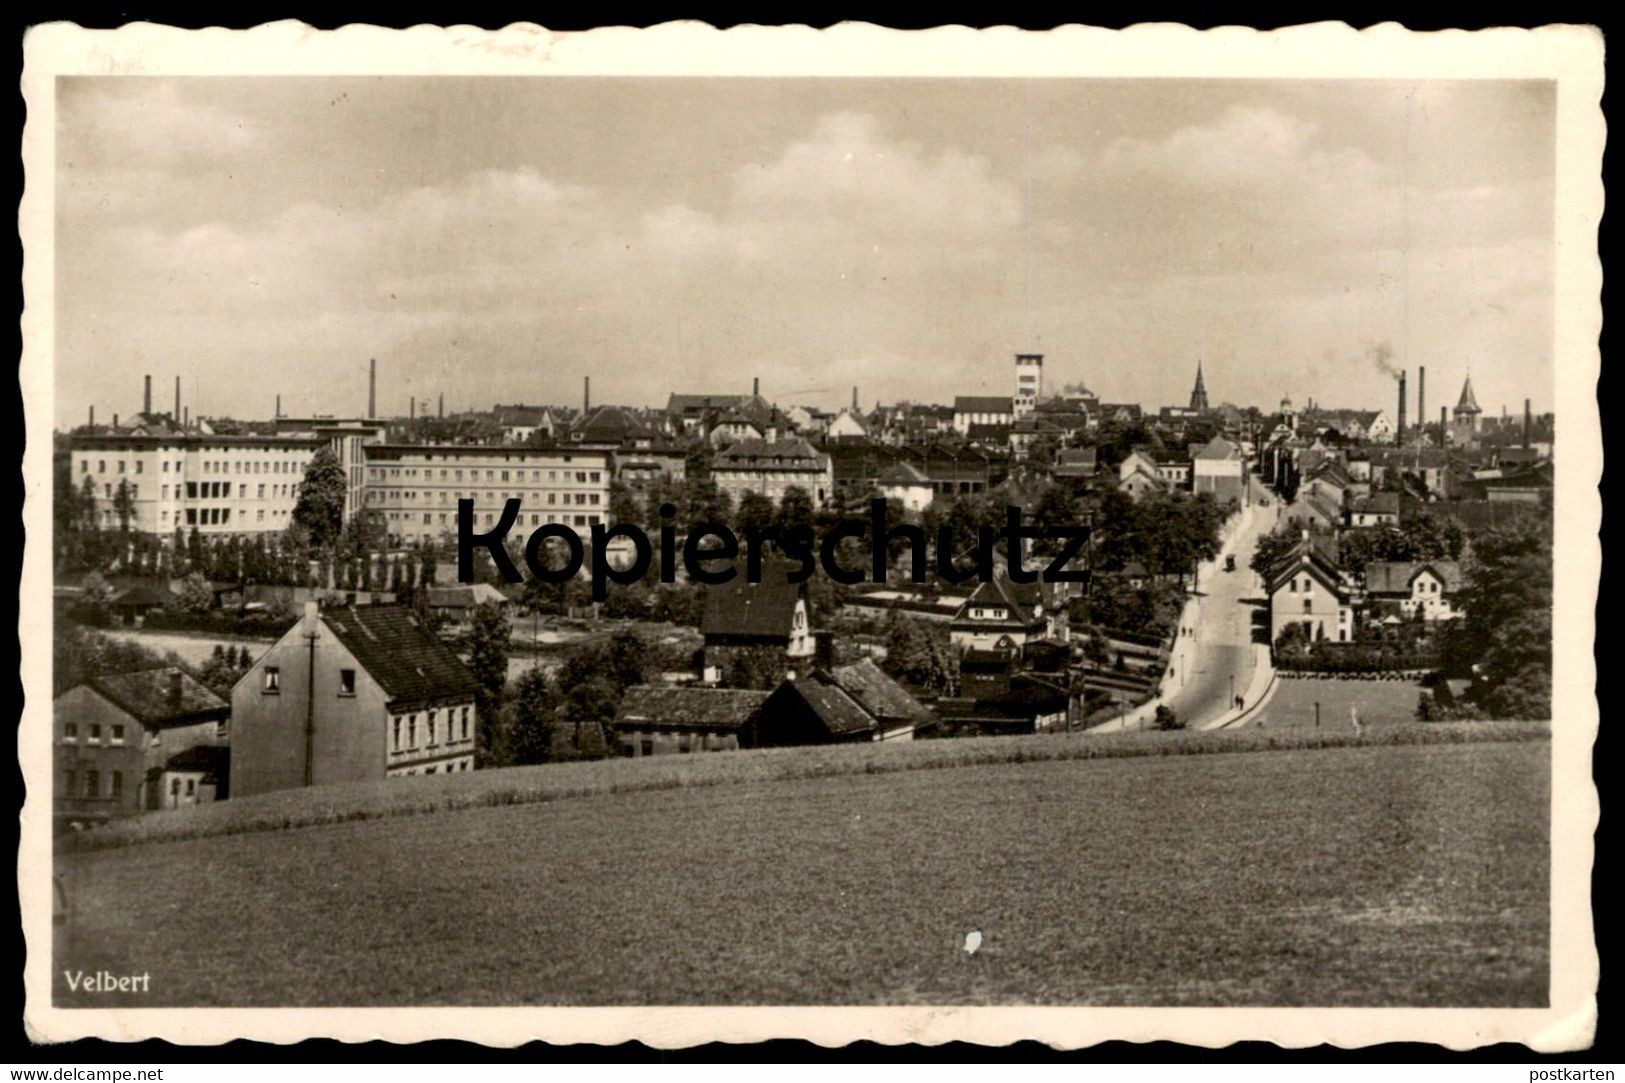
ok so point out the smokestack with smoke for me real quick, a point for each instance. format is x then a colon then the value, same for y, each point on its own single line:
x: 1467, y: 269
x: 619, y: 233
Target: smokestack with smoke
x: 1399, y: 436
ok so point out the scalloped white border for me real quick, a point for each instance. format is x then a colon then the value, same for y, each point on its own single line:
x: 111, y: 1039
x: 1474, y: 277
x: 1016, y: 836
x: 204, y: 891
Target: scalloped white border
x: 1571, y: 55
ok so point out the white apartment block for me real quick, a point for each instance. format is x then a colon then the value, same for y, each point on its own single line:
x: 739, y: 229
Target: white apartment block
x: 416, y: 487
x: 1029, y: 382
x: 218, y: 484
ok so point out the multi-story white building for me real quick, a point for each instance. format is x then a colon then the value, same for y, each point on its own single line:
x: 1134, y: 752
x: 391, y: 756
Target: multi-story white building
x: 416, y: 487
x: 218, y: 484
x: 773, y: 468
x: 1029, y: 382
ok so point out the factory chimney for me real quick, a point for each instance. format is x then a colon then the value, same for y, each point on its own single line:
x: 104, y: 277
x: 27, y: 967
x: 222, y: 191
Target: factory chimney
x: 1421, y: 403
x: 372, y: 388
x: 756, y: 386
x: 186, y: 418
x: 1527, y: 424
x: 1444, y: 431
x: 586, y: 395
x: 442, y: 404
x: 412, y: 408
x: 279, y: 407
x: 93, y: 415
x: 854, y: 398
x: 146, y: 397
x: 176, y: 417
x: 1399, y: 437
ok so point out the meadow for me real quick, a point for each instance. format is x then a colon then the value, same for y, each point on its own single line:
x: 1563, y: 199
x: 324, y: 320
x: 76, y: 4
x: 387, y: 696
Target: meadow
x: 1379, y: 703
x: 1380, y: 874
x: 559, y: 781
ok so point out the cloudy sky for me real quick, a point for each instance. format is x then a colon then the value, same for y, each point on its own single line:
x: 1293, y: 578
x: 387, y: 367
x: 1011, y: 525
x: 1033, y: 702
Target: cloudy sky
x: 496, y: 239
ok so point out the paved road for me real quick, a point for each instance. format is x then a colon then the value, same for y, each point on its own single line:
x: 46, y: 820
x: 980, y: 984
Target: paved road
x: 1224, y: 659
x: 1207, y: 676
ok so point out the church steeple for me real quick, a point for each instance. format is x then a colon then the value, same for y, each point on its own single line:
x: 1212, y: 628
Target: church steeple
x: 1199, y: 392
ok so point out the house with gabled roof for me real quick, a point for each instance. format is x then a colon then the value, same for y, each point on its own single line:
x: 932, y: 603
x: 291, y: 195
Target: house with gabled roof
x: 1001, y: 614
x: 983, y: 410
x: 1378, y: 509
x: 352, y: 694
x: 1219, y: 469
x: 663, y: 720
x: 741, y: 615
x: 1414, y: 588
x: 773, y: 467
x: 835, y: 705
x: 121, y: 744
x: 1308, y: 587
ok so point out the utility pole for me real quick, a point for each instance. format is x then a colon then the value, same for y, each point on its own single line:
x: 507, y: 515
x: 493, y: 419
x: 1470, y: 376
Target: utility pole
x: 310, y: 708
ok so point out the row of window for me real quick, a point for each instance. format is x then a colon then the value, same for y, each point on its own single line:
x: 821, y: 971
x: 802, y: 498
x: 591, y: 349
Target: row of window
x: 239, y: 466
x: 93, y: 784
x: 382, y: 496
x: 582, y: 477
x: 93, y: 736
x: 453, y: 767
x: 431, y: 730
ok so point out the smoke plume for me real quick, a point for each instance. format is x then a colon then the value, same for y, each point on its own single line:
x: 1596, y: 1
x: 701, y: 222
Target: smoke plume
x: 1382, y: 356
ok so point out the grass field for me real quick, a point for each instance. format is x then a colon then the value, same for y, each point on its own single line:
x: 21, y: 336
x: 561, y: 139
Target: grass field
x: 1378, y: 875
x: 1380, y: 703
x: 552, y: 782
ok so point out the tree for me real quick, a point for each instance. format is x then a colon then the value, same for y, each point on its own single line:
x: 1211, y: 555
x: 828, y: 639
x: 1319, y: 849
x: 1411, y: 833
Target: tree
x: 919, y: 653
x: 526, y: 733
x: 795, y: 509
x: 196, y: 595
x: 364, y: 534
x: 489, y: 637
x: 1270, y: 550
x: 79, y: 655
x: 755, y: 512
x: 760, y: 668
x: 1505, y: 634
x: 320, y: 507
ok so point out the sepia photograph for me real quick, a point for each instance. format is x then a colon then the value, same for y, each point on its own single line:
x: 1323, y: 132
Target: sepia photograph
x: 639, y: 537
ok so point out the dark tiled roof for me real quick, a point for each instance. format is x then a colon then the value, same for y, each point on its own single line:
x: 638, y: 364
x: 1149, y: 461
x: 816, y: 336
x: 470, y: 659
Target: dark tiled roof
x: 741, y: 608
x: 168, y: 696
x: 982, y: 404
x: 1395, y: 576
x: 840, y: 713
x: 210, y: 759
x: 408, y: 662
x: 877, y: 693
x: 717, y: 707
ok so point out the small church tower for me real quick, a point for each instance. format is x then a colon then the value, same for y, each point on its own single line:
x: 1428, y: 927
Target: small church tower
x: 1466, y: 413
x: 1199, y: 392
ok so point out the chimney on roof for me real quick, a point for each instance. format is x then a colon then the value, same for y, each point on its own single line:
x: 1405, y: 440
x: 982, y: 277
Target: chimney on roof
x: 586, y: 394
x: 146, y: 396
x: 115, y: 421
x: 1527, y: 424
x: 854, y: 398
x: 824, y: 650
x: 175, y: 688
x: 756, y: 386
x: 176, y: 417
x: 1421, y: 404
x: 372, y: 388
